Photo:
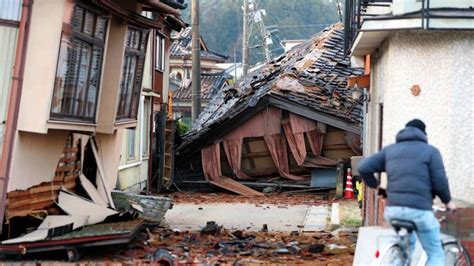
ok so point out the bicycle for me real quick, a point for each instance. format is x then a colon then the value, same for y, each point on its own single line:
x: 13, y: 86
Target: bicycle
x: 398, y: 252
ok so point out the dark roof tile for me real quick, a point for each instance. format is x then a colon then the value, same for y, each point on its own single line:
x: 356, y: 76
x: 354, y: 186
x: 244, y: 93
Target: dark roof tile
x: 313, y: 75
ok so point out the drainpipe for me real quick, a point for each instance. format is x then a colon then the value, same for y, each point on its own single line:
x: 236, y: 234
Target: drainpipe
x: 14, y: 102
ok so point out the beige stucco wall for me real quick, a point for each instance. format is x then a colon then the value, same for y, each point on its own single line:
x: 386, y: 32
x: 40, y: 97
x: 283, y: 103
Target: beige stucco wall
x: 147, y: 71
x: 442, y: 64
x: 40, y: 65
x: 35, y: 158
x: 111, y: 77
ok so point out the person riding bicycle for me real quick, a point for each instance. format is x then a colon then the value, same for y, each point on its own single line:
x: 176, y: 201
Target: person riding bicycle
x: 415, y: 175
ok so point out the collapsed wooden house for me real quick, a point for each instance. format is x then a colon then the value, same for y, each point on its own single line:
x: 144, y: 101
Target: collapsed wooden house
x: 290, y: 122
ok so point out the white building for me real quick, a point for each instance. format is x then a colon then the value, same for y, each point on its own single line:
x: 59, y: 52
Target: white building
x: 419, y: 62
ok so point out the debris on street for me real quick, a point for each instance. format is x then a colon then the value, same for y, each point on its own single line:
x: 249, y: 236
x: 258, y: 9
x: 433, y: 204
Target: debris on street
x: 231, y: 247
x: 276, y: 199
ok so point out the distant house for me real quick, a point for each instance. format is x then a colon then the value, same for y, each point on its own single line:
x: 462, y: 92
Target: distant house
x: 181, y: 52
x: 292, y: 120
x: 418, y: 57
x: 213, y: 77
x: 211, y: 84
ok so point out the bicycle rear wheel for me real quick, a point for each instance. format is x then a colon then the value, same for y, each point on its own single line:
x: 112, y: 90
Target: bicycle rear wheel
x: 394, y: 256
x: 456, y: 254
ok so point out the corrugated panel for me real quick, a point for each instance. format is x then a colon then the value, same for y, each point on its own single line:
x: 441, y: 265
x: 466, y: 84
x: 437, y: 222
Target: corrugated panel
x: 8, y: 37
x: 10, y: 9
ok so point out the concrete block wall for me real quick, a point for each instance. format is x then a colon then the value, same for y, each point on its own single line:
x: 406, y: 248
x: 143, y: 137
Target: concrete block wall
x: 465, y: 228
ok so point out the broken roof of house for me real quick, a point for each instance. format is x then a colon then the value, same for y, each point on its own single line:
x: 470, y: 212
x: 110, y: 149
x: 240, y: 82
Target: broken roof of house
x: 211, y: 83
x: 309, y: 80
x: 181, y: 46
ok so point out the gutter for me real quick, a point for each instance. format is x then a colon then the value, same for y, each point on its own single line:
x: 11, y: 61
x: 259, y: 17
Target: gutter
x: 14, y: 102
x: 176, y: 4
x: 175, y: 22
x: 160, y: 7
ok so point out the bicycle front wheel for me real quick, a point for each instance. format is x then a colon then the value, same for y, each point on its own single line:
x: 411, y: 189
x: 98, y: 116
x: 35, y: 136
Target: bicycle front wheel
x: 456, y: 254
x: 393, y: 256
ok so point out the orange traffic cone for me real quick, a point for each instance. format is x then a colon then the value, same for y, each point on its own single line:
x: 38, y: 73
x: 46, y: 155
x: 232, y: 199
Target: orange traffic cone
x: 349, y: 191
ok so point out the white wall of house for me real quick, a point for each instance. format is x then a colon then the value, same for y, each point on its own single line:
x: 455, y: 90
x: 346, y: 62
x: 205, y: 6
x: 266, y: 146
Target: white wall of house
x: 442, y: 64
x: 134, y: 155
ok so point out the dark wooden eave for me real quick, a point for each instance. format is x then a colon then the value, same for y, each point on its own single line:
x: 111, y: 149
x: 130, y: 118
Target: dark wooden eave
x: 130, y: 17
x: 159, y: 7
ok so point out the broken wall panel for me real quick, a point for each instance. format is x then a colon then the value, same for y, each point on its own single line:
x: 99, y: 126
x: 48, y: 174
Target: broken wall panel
x: 23, y: 202
x: 35, y: 158
x: 211, y: 163
x: 256, y: 158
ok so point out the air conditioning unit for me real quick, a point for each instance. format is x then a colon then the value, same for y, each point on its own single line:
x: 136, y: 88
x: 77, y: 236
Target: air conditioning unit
x: 400, y: 7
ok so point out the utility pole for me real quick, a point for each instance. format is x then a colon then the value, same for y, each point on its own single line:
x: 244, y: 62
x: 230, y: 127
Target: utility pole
x: 257, y: 19
x: 196, y: 67
x: 265, y: 36
x: 245, y: 38
x: 339, y: 11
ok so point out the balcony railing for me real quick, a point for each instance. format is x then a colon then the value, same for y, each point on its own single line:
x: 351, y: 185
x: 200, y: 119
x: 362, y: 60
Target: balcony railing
x: 358, y: 11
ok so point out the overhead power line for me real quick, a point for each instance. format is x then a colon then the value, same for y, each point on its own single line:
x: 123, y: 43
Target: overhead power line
x: 300, y: 26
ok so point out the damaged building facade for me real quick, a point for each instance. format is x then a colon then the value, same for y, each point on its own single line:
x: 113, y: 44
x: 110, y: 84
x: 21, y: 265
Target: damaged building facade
x: 81, y: 77
x: 291, y: 122
x: 181, y: 53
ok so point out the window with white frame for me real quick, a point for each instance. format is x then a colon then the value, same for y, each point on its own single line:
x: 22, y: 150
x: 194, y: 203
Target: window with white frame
x: 160, y: 53
x: 146, y: 126
x: 131, y: 145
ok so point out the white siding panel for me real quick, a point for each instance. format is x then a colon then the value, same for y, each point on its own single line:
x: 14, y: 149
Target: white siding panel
x: 8, y: 38
x: 10, y: 9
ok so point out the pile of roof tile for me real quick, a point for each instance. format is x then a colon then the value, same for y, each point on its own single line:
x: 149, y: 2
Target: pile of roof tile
x: 230, y: 247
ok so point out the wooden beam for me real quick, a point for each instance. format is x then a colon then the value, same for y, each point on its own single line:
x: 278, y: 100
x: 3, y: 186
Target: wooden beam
x: 361, y: 81
x: 258, y: 154
x: 160, y: 7
x: 367, y: 65
x: 313, y: 115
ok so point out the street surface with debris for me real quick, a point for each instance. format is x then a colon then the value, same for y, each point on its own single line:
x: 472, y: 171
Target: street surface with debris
x: 229, y: 229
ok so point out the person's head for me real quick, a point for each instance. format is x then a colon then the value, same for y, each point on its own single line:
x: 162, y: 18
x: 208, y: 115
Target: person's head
x: 418, y: 124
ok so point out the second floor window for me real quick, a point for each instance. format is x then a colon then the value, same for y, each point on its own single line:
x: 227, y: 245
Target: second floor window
x: 132, y: 72
x: 78, y: 73
x: 160, y: 53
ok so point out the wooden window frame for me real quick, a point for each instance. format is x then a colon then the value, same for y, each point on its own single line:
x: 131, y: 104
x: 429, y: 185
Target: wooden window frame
x: 123, y: 111
x: 95, y: 43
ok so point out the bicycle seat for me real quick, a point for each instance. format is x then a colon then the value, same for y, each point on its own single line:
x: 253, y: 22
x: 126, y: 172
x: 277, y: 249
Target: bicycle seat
x: 399, y: 224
